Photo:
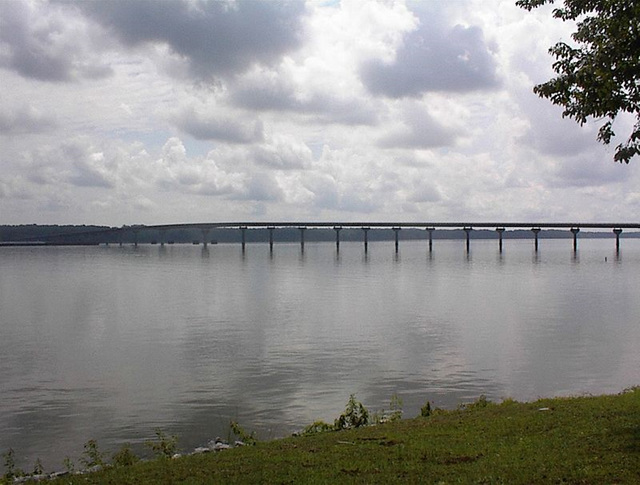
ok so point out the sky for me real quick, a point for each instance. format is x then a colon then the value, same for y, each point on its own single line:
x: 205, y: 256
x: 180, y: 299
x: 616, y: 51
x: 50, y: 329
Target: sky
x: 145, y: 112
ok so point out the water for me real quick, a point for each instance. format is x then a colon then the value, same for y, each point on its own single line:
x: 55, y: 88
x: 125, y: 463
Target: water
x: 111, y: 343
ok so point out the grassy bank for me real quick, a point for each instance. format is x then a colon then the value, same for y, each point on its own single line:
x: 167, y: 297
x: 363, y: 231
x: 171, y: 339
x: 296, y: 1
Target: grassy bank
x: 590, y: 440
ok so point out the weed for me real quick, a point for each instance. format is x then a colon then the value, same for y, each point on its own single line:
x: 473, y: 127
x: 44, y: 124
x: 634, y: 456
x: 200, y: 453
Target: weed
x: 38, y: 469
x: 92, y: 457
x: 68, y: 465
x: 425, y: 411
x: 10, y: 466
x: 124, y: 456
x: 317, y: 427
x: 395, y: 408
x: 481, y: 402
x: 393, y: 414
x: 246, y: 438
x: 164, y: 446
x: 354, y: 416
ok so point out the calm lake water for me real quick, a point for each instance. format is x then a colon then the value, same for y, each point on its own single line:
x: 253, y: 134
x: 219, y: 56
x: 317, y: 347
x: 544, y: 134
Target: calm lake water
x: 110, y: 343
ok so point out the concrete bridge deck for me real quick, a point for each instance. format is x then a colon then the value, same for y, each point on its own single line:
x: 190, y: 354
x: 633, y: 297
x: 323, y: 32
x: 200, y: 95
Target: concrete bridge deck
x: 116, y: 234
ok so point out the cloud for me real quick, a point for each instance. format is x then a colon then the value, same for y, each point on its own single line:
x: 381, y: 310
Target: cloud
x: 417, y: 129
x: 276, y: 91
x: 73, y: 162
x: 262, y: 187
x: 282, y: 152
x: 175, y: 171
x: 225, y: 129
x: 216, y: 38
x: 23, y: 120
x: 434, y: 59
x: 42, y: 42
x: 424, y: 191
x: 587, y: 170
x: 551, y: 134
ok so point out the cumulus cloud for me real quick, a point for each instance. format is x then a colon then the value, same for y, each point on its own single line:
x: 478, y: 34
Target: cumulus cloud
x: 417, y: 130
x: 176, y: 171
x: 586, y: 170
x: 424, y: 191
x: 23, y: 120
x: 261, y: 186
x: 282, y: 152
x: 276, y: 92
x: 434, y: 58
x: 44, y: 43
x: 215, y: 38
x: 219, y: 128
x: 328, y: 110
x: 72, y: 162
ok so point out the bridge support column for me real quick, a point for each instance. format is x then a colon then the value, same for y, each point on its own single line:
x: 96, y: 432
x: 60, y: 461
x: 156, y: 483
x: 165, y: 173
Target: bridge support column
x: 468, y: 231
x: 500, y: 230
x: 430, y: 230
x: 243, y: 237
x: 271, y: 228
x: 302, y: 229
x: 205, y: 236
x: 397, y: 231
x: 575, y: 231
x: 535, y: 231
x: 162, y: 233
x: 337, y: 229
x: 365, y: 230
x: 617, y: 231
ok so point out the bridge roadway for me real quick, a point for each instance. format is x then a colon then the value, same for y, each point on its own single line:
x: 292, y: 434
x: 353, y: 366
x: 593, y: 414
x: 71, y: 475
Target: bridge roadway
x: 500, y: 228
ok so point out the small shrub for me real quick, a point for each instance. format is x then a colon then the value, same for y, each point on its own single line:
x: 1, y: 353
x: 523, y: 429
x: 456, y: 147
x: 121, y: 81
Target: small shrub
x: 38, y: 469
x: 395, y: 408
x: 91, y: 455
x: 393, y: 414
x: 10, y: 466
x: 425, y: 411
x: 124, y: 456
x: 164, y: 446
x: 481, y: 402
x: 317, y: 427
x: 246, y: 438
x: 68, y: 465
x: 354, y: 416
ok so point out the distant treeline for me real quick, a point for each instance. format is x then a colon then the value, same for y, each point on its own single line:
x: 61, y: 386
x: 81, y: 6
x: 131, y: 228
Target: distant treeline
x: 74, y: 234
x: 36, y: 232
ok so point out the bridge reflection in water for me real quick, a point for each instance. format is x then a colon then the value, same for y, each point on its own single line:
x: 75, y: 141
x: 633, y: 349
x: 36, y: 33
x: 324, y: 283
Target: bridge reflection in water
x: 120, y: 234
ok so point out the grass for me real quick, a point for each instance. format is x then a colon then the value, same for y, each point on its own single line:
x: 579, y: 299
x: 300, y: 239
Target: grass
x: 584, y: 440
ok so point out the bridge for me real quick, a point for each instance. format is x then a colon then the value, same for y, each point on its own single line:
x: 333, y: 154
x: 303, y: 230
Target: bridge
x: 117, y: 234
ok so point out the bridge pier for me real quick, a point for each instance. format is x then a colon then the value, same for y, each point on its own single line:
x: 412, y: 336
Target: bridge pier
x: 535, y: 231
x: 397, y: 231
x: 575, y: 231
x: 617, y: 231
x: 430, y: 230
x: 500, y: 230
x: 468, y: 231
x: 162, y: 233
x: 365, y: 230
x: 337, y: 229
x: 302, y: 229
x: 205, y: 235
x: 243, y: 237
x: 270, y: 228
